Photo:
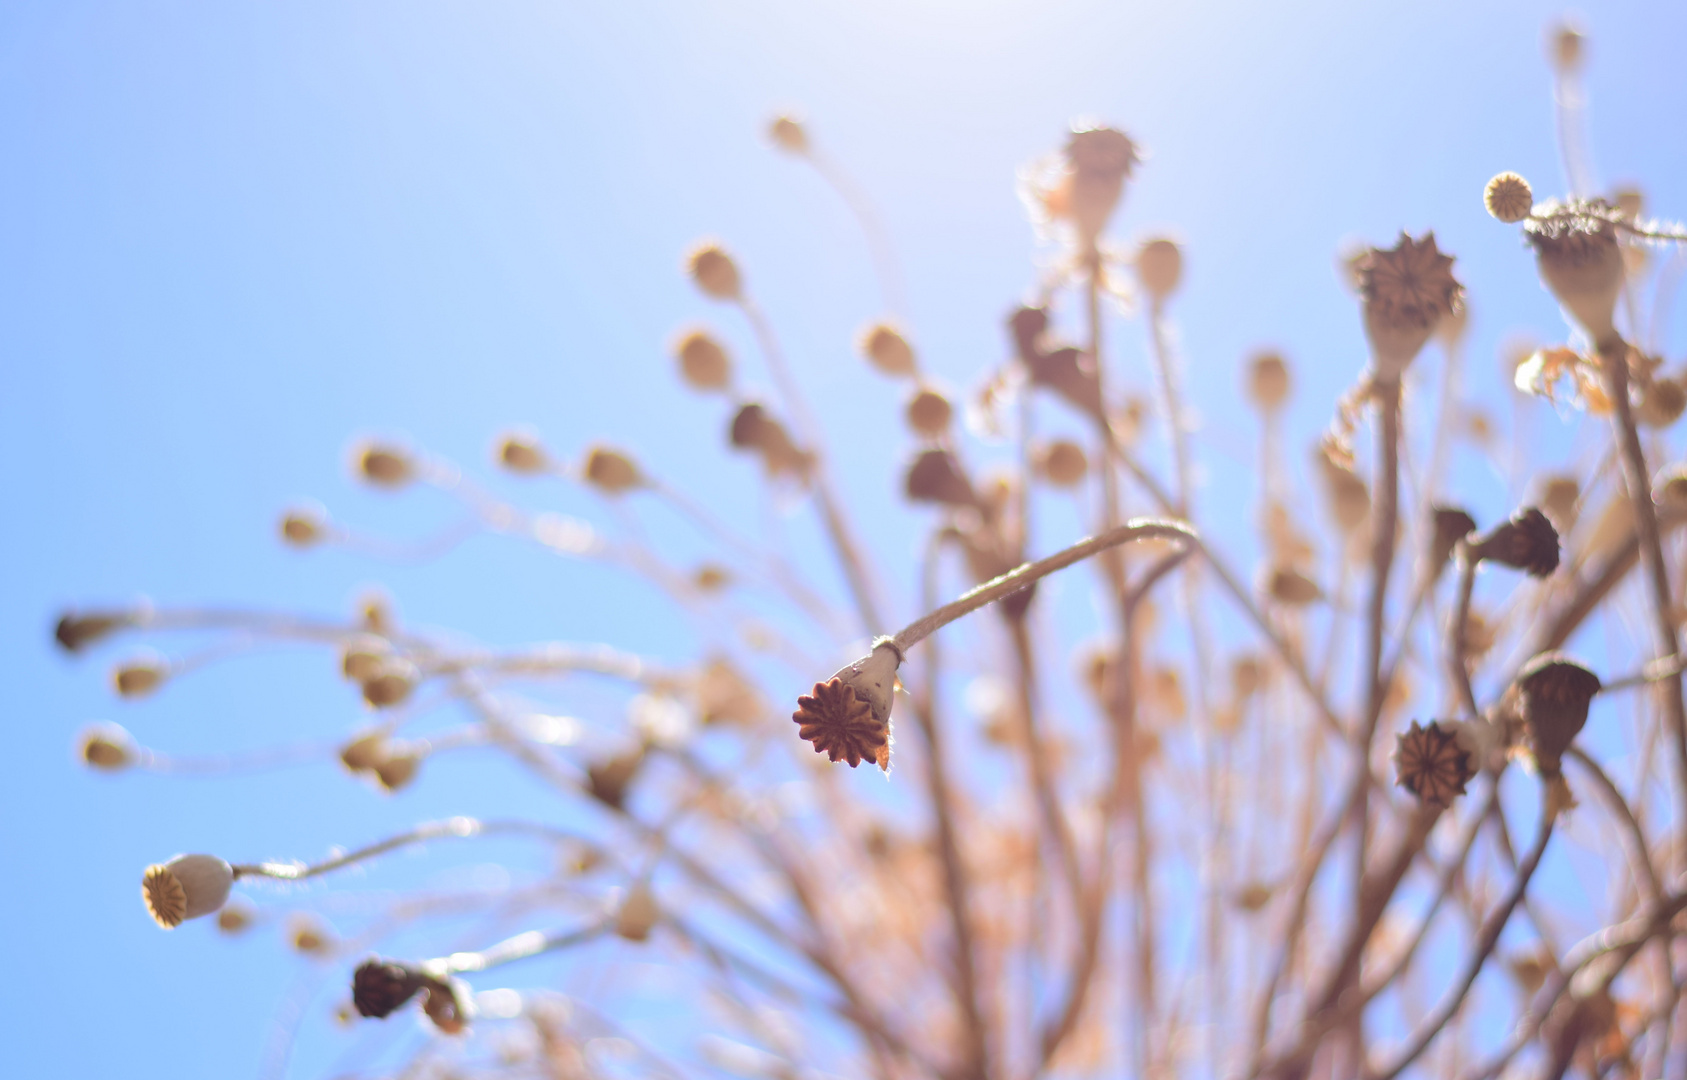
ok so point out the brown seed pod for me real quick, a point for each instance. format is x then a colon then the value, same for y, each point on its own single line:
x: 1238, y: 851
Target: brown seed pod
x: 384, y: 465
x: 1566, y: 48
x: 303, y: 528
x: 929, y: 413
x: 1580, y: 260
x: 449, y: 1004
x: 1100, y: 160
x: 788, y: 134
x: 1406, y: 291
x: 399, y: 767
x: 522, y: 454
x: 366, y: 751
x: 186, y: 887
x: 1661, y: 403
x: 611, y: 471
x: 714, y: 272
x: 1527, y: 542
x: 1558, y: 497
x: 1247, y: 675
x: 1431, y: 764
x: 841, y: 723
x: 608, y: 780
x: 887, y: 349
x: 1027, y: 325
x: 76, y: 632
x: 1061, y: 462
x: 711, y: 578
x: 1348, y: 498
x: 380, y: 988
x: 1508, y: 197
x: 236, y: 917
x: 390, y: 683
x: 138, y: 678
x: 1451, y: 526
x: 107, y: 747
x: 703, y: 362
x: 726, y: 696
x: 1159, y: 266
x: 1292, y: 588
x: 1070, y: 373
x: 937, y: 476
x: 1554, y: 692
x: 1268, y: 381
x: 638, y: 914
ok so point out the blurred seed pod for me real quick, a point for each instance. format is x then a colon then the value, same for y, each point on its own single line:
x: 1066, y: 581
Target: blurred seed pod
x: 1580, y: 261
x: 608, y: 780
x: 703, y: 362
x: 1348, y: 498
x: 1508, y: 197
x: 1661, y: 403
x: 611, y: 471
x: 638, y: 913
x: 384, y: 464
x: 380, y: 988
x: 1099, y: 161
x: 1555, y: 692
x: 1432, y: 763
x: 929, y: 413
x: 1451, y: 526
x: 309, y: 935
x: 1558, y: 497
x: 1405, y: 291
x: 138, y: 678
x: 1165, y: 691
x: 1159, y: 266
x: 1268, y: 381
x: 1247, y: 676
x: 711, y: 578
x: 1070, y: 373
x: 186, y: 887
x: 887, y: 349
x: 936, y: 476
x: 1527, y: 542
x: 303, y: 528
x: 1480, y: 635
x: 725, y: 696
x: 399, y: 766
x: 1290, y: 587
x: 522, y: 454
x: 1252, y: 896
x: 363, y: 656
x: 753, y: 428
x: 1530, y: 969
x: 1027, y: 326
x: 1669, y: 487
x: 1566, y: 48
x: 714, y: 272
x: 1613, y: 527
x: 236, y: 916
x: 75, y: 632
x: 1061, y: 462
x: 375, y: 609
x: 788, y: 134
x: 107, y: 747
x: 449, y: 1004
x: 365, y: 751
x: 1283, y: 538
x: 390, y: 683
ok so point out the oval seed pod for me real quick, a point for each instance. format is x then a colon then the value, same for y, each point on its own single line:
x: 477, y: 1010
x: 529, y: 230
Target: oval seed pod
x: 788, y: 134
x: 1268, y: 381
x: 715, y: 272
x: 1580, y: 260
x: 1159, y: 266
x: 1661, y: 403
x: 1027, y: 325
x: 1061, y: 462
x: 1566, y: 48
x: 929, y: 413
x: 1292, y: 588
x: 138, y: 678
x: 522, y: 454
x: 1348, y: 497
x: 384, y: 464
x: 1527, y: 542
x: 303, y: 528
x: 380, y: 988
x: 399, y: 767
x: 365, y: 751
x: 611, y: 471
x: 638, y: 913
x: 310, y: 935
x: 107, y: 747
x: 449, y: 1004
x: 887, y: 349
x: 1555, y: 692
x: 1406, y: 290
x: 390, y: 683
x: 608, y: 780
x: 1508, y: 197
x: 937, y: 476
x: 186, y: 887
x: 76, y: 632
x: 1559, y: 496
x: 703, y: 362
x: 363, y: 656
x: 236, y: 916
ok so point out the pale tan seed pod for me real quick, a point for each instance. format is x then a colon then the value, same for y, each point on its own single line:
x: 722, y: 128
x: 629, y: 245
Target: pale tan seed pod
x: 608, y: 780
x: 107, y: 747
x: 391, y: 683
x: 788, y: 133
x: 726, y: 696
x: 304, y: 527
x: 1508, y: 197
x: 236, y: 916
x: 522, y: 454
x: 1566, y: 48
x: 384, y: 464
x: 1268, y: 381
x: 375, y: 609
x: 363, y: 656
x: 186, y: 887
x: 1247, y: 676
x: 1558, y: 498
x: 611, y: 471
x: 1580, y: 261
x: 703, y: 362
x: 887, y: 349
x: 1099, y: 161
x: 309, y: 935
x: 715, y: 272
x: 1159, y: 266
x: 711, y: 578
x: 1661, y: 403
x: 1406, y: 290
x: 638, y: 914
x: 929, y: 413
x: 365, y: 751
x: 1348, y: 498
x: 399, y: 767
x: 138, y: 678
x: 1291, y: 588
x: 1061, y: 462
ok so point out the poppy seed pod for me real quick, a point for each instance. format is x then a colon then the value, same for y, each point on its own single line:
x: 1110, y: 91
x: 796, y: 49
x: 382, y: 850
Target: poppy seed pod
x: 611, y: 471
x: 1527, y: 542
x: 1451, y: 526
x: 1027, y: 325
x: 936, y: 476
x: 236, y: 917
x: 1554, y: 692
x: 887, y: 349
x: 1159, y: 266
x: 75, y: 632
x: 138, y: 678
x: 715, y: 272
x: 365, y: 751
x: 107, y: 747
x: 847, y: 718
x: 1062, y: 463
x: 1566, y: 48
x: 186, y: 887
x: 522, y: 454
x: 1580, y: 260
x: 390, y: 683
x: 363, y: 656
x: 303, y: 528
x: 1349, y: 499
x: 1661, y: 403
x: 788, y: 134
x: 1508, y: 197
x: 1406, y: 291
x: 398, y: 767
x: 725, y: 696
x: 1559, y: 496
x: 1292, y: 588
x: 1430, y: 762
x: 384, y: 465
x: 749, y: 427
x: 703, y: 362
x: 1099, y: 160
x: 638, y: 913
x: 608, y: 781
x: 310, y: 936
x: 929, y: 413
x: 1069, y: 372
x: 449, y: 1004
x: 1268, y: 381
x: 380, y: 988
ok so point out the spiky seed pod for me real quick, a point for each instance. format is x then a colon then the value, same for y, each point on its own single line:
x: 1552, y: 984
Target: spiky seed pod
x: 1527, y: 542
x: 1268, y: 381
x: 1431, y: 764
x: 929, y: 413
x: 1554, y: 692
x: 365, y: 751
x: 1406, y: 291
x: 186, y: 887
x: 399, y: 766
x: 390, y: 683
x: 76, y: 632
x: 1292, y: 588
x: 715, y: 272
x: 1508, y: 197
x: 788, y: 134
x: 1580, y: 260
x: 608, y: 781
x: 1559, y: 496
x: 1567, y: 48
x: 840, y: 723
x: 1661, y: 403
x: 236, y: 917
x: 1348, y: 497
x: 449, y: 1004
x: 138, y: 678
x: 703, y: 362
x: 887, y: 349
x: 1159, y: 266
x: 384, y: 464
x: 108, y: 747
x: 303, y: 528
x: 936, y: 476
x: 380, y: 988
x: 1062, y: 463
x: 522, y: 454
x: 1069, y: 372
x: 1027, y: 326
x: 638, y: 914
x: 611, y: 471
x: 1451, y: 526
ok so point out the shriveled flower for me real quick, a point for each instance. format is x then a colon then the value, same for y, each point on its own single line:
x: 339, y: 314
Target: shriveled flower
x: 522, y: 453
x: 1508, y: 197
x: 1527, y: 542
x: 1268, y: 381
x: 1431, y: 764
x: 937, y: 476
x: 840, y: 723
x: 929, y: 413
x: 611, y: 471
x: 703, y: 362
x: 638, y: 913
x: 714, y: 272
x: 1580, y: 260
x: 1159, y: 266
x: 380, y: 988
x: 1554, y: 692
x: 186, y: 887
x: 139, y: 678
x: 1407, y: 290
x: 1451, y: 526
x: 108, y: 747
x: 384, y: 465
x: 304, y: 528
x: 76, y: 632
x: 887, y: 349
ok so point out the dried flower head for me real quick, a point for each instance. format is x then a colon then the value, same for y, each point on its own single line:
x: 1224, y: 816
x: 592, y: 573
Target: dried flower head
x: 522, y: 453
x: 1580, y: 259
x: 936, y: 476
x: 186, y: 887
x: 1431, y: 763
x: 703, y: 362
x: 1451, y: 526
x: 1061, y: 462
x: 608, y: 780
x: 611, y: 471
x: 1527, y: 542
x: 788, y: 134
x: 390, y: 682
x: 887, y: 349
x: 107, y: 747
x: 76, y: 632
x: 303, y: 528
x: 1268, y: 381
x: 638, y: 913
x: 1071, y: 373
x: 753, y: 428
x: 1159, y: 266
x: 1407, y: 290
x: 139, y: 678
x: 714, y: 272
x: 840, y: 723
x: 1554, y: 692
x: 1508, y: 197
x: 380, y: 988
x: 384, y: 464
x: 929, y: 413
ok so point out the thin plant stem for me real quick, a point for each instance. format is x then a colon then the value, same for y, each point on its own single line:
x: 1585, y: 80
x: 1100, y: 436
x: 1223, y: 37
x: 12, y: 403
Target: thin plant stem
x: 457, y: 828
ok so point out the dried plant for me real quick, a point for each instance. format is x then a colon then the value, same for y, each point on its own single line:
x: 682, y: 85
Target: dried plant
x: 1230, y: 866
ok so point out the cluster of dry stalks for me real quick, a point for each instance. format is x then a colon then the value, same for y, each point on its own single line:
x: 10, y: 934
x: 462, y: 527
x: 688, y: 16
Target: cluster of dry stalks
x: 1260, y: 854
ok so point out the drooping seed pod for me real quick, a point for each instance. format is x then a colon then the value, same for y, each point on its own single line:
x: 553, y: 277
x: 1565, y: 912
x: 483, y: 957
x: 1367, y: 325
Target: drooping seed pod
x: 449, y: 1004
x: 1508, y: 197
x: 1451, y: 526
x: 186, y: 887
x: 1159, y: 266
x: 1061, y: 462
x: 523, y: 454
x: 1554, y: 692
x: 937, y: 476
x: 363, y: 656
x: 1406, y: 291
x: 1268, y: 381
x: 303, y: 527
x: 76, y: 632
x: 638, y: 914
x: 384, y: 464
x: 841, y: 723
x: 1580, y: 260
x: 380, y: 988
x: 1290, y: 587
x: 1431, y: 763
x: 788, y: 134
x: 399, y: 766
x: 138, y: 678
x: 608, y: 780
x: 714, y: 272
x: 1071, y: 373
x: 929, y: 413
x: 365, y: 751
x: 1527, y: 542
x: 887, y: 349
x: 611, y: 471
x: 703, y: 362
x: 107, y: 747
x: 390, y: 683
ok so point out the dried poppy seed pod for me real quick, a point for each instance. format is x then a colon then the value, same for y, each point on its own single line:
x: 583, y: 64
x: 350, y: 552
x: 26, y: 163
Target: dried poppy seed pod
x: 611, y: 471
x: 710, y: 578
x: 638, y: 913
x: 848, y: 717
x: 380, y: 988
x: 929, y: 413
x: 236, y: 916
x: 363, y: 656
x: 107, y: 747
x: 1071, y: 373
x: 887, y: 349
x: 186, y: 887
x: 608, y: 781
x: 1406, y: 291
x: 1431, y: 763
x: 449, y: 1004
x: 1247, y: 675
x: 715, y: 272
x: 1349, y: 499
x: 1062, y: 463
x: 1159, y: 266
x: 1100, y: 160
x: 390, y: 683
x: 936, y: 476
x: 1027, y: 326
x: 310, y: 936
x: 703, y: 362
x: 1661, y: 403
x: 1580, y: 261
x: 76, y: 632
x: 1527, y: 542
x: 1669, y: 487
x: 749, y: 427
x: 1290, y: 587
x: 1559, y: 496
x: 399, y: 766
x: 522, y: 454
x: 1554, y: 692
x: 725, y: 696
x: 1268, y: 381
x: 366, y: 751
x: 384, y: 464
x: 1508, y: 197
x: 788, y: 134
x: 138, y: 678
x: 303, y: 528
x: 1566, y: 48
x: 1451, y: 526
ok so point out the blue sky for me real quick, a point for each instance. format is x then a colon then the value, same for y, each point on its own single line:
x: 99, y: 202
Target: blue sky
x: 236, y: 237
